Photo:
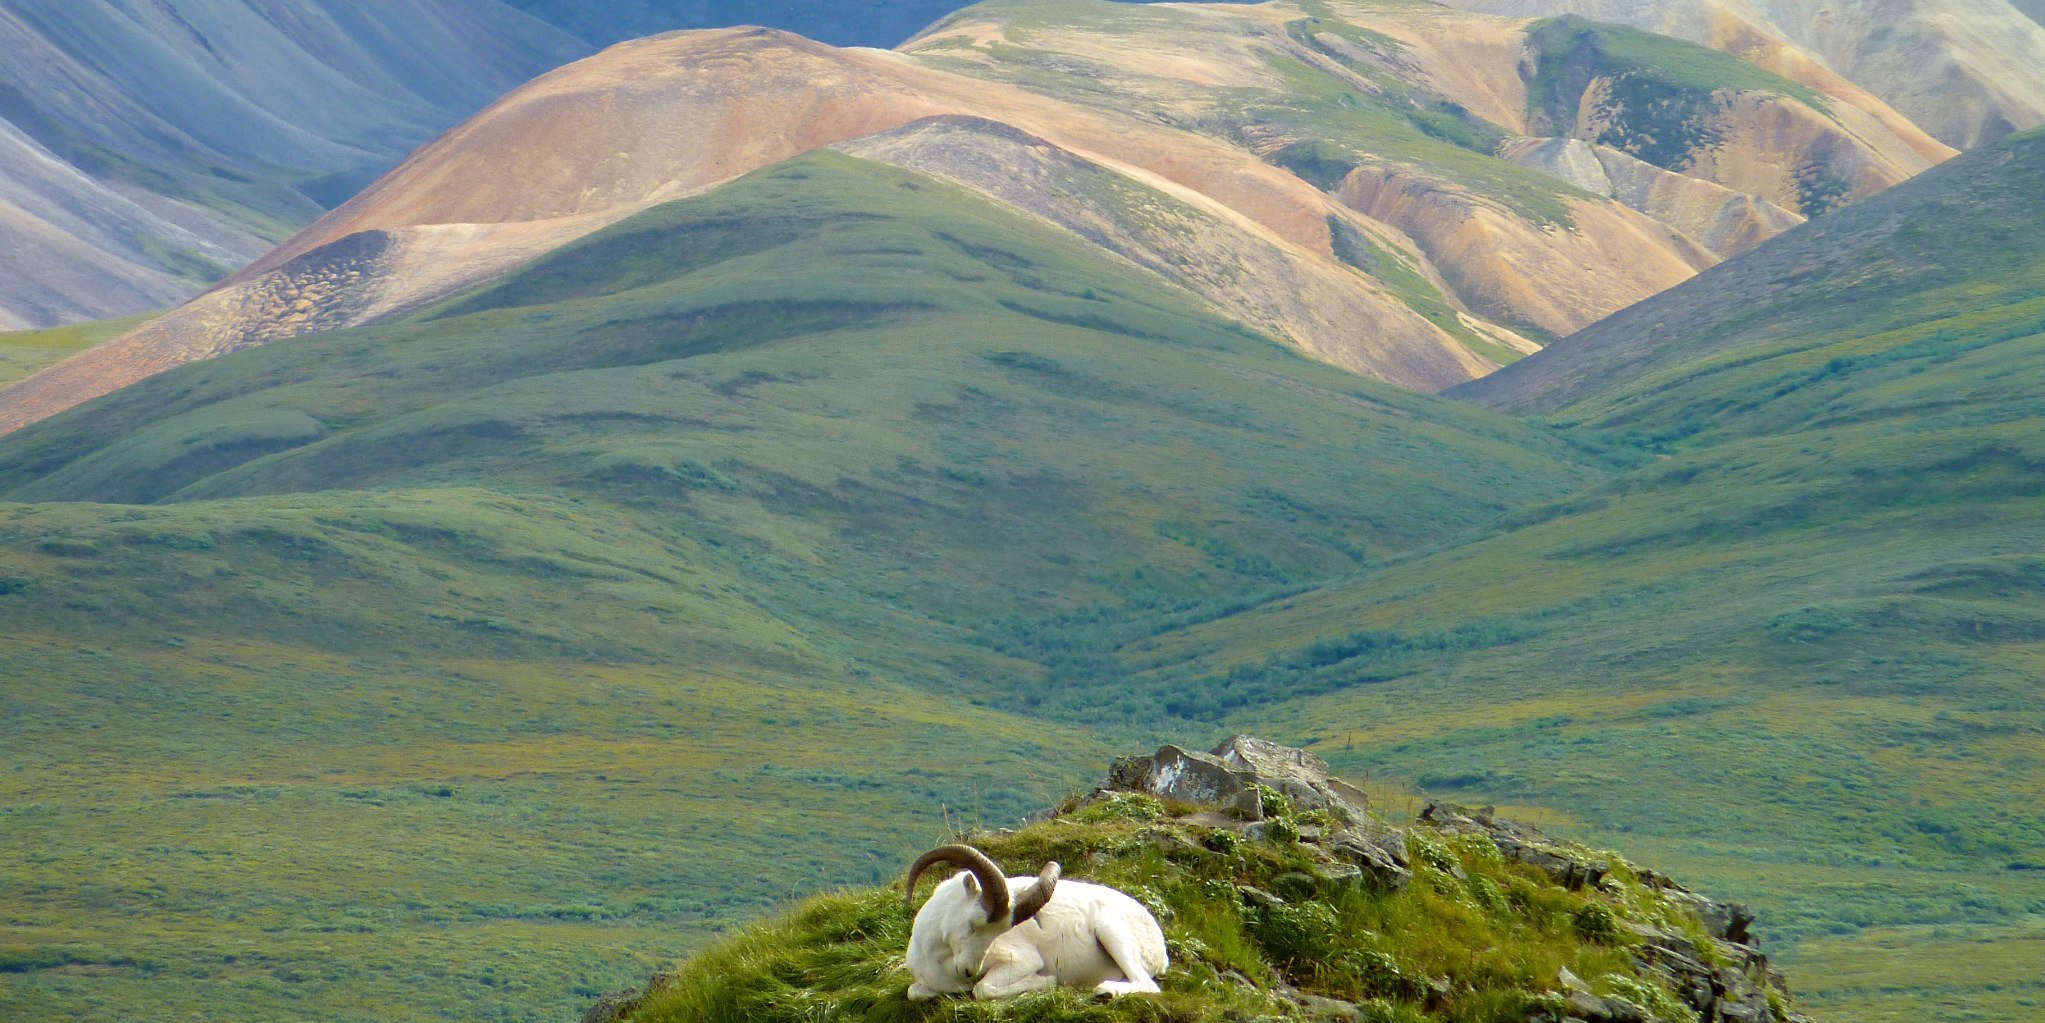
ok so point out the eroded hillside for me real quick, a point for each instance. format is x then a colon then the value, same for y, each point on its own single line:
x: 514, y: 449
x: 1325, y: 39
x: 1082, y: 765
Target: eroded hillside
x: 1967, y: 71
x: 1359, y: 181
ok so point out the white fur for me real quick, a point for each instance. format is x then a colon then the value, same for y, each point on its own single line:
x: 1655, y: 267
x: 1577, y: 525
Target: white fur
x: 1087, y: 936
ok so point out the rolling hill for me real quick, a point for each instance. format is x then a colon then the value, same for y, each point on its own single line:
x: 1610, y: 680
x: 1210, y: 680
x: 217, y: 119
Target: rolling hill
x: 149, y: 149
x: 1967, y: 71
x: 474, y: 661
x: 1357, y: 180
x: 1796, y: 647
x: 567, y: 548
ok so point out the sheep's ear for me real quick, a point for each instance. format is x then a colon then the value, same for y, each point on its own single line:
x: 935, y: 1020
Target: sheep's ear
x: 1037, y: 895
x: 972, y: 885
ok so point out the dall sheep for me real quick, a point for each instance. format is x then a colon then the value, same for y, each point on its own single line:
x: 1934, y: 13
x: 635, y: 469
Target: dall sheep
x: 974, y: 936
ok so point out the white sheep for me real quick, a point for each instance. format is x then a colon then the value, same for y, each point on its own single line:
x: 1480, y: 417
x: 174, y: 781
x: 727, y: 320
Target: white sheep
x: 973, y: 936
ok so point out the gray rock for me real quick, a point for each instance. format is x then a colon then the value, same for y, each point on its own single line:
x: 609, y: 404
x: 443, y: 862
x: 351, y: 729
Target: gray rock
x: 1296, y: 774
x: 1590, y: 1008
x: 1520, y: 844
x: 1726, y: 921
x: 1258, y: 897
x: 1227, y: 779
x: 1180, y: 774
x: 1373, y: 858
x: 1336, y: 875
x: 614, y: 1006
x: 1586, y: 1006
x: 1330, y: 1008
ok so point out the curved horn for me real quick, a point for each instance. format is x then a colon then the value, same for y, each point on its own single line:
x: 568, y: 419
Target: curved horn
x: 993, y: 885
x: 1036, y: 895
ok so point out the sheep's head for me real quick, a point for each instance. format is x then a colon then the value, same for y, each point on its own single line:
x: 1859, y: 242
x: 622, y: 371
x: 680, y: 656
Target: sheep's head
x: 966, y: 913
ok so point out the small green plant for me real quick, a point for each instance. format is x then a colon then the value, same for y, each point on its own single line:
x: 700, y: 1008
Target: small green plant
x: 1658, y: 1002
x: 1594, y: 922
x: 1276, y: 803
x: 1124, y: 806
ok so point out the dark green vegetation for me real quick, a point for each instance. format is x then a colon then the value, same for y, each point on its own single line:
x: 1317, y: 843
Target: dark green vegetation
x: 1472, y: 938
x: 465, y: 666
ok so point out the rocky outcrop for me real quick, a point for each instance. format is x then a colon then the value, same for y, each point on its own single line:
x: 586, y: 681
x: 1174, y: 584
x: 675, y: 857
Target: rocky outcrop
x: 1231, y: 775
x: 1254, y: 786
x: 1721, y: 975
x: 1519, y: 843
x: 1723, y: 978
x: 1266, y: 836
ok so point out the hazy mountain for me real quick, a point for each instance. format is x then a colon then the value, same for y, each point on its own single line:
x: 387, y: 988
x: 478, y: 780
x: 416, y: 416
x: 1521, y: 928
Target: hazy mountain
x: 147, y: 149
x: 1952, y: 245
x: 1968, y: 71
x: 861, y: 23
x: 1356, y: 180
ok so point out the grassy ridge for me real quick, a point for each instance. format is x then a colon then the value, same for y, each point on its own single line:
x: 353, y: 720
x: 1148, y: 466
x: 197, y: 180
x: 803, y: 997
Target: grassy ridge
x: 463, y: 666
x: 24, y: 352
x: 1795, y: 653
x: 1473, y: 938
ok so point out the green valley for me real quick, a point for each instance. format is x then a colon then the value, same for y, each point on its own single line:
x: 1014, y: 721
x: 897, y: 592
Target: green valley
x: 1797, y: 649
x: 465, y: 665
x: 542, y: 624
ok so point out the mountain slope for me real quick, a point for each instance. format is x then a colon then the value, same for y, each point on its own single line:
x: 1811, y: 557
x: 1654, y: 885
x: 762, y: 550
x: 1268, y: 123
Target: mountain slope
x: 1797, y: 647
x: 24, y: 352
x: 1334, y: 183
x: 874, y: 23
x: 666, y: 578
x: 1894, y: 262
x: 1968, y: 71
x: 148, y: 149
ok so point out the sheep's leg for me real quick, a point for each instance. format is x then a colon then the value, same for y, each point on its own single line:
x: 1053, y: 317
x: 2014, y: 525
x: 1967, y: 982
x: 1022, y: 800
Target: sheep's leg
x: 1009, y: 986
x: 1012, y: 971
x: 919, y: 993
x: 1127, y: 953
